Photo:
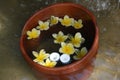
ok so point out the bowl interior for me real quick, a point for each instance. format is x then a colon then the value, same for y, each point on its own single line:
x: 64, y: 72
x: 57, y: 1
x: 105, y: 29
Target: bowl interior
x: 45, y: 40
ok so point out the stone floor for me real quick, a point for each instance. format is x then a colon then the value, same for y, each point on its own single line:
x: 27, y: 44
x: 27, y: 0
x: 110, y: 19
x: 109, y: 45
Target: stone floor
x: 14, y: 14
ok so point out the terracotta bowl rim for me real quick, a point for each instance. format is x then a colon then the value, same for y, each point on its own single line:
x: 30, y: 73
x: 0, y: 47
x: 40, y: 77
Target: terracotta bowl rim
x: 67, y: 67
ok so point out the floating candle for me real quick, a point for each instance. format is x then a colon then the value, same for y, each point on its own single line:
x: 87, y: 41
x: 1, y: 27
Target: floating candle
x: 65, y: 58
x: 54, y: 56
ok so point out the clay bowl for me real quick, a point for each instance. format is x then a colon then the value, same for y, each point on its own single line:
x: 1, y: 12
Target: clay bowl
x: 78, y: 70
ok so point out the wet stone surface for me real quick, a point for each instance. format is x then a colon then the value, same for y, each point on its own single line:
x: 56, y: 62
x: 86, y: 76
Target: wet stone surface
x: 14, y: 14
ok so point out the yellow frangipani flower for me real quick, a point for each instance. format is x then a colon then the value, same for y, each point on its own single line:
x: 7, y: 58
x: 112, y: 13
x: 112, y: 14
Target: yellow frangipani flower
x: 78, y: 24
x: 33, y: 34
x: 60, y: 37
x: 67, y: 48
x: 77, y: 40
x: 49, y: 63
x: 67, y: 21
x: 80, y: 54
x: 41, y: 56
x: 43, y: 25
x: 53, y: 20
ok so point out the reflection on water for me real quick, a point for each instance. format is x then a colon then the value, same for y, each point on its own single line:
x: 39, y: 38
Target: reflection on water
x: 14, y: 15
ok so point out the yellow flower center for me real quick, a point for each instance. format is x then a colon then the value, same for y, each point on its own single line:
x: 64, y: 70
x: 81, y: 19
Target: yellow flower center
x: 60, y: 39
x: 49, y: 63
x: 67, y: 48
x: 53, y: 20
x: 33, y: 34
x: 75, y: 41
x: 77, y: 25
x: 41, y: 57
x: 43, y: 26
x: 66, y: 21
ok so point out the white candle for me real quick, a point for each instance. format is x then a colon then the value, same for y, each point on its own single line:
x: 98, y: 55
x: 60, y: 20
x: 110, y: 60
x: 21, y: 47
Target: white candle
x: 54, y: 56
x: 65, y: 58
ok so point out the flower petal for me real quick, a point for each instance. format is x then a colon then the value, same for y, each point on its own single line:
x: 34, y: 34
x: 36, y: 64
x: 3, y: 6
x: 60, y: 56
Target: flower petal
x: 54, y: 35
x: 40, y: 22
x: 63, y: 44
x: 76, y: 57
x: 78, y: 35
x: 28, y: 32
x: 80, y: 21
x: 42, y: 63
x: 60, y: 33
x: 35, y: 60
x: 83, y: 51
x: 35, y: 53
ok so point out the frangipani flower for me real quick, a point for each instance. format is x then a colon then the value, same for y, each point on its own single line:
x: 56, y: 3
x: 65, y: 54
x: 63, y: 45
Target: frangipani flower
x: 41, y: 56
x: 80, y: 54
x: 78, y: 24
x: 67, y: 48
x: 53, y: 20
x: 60, y: 37
x: 43, y: 25
x: 67, y: 21
x: 77, y: 39
x: 33, y: 34
x: 49, y: 63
